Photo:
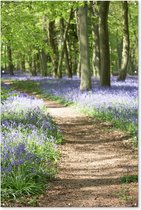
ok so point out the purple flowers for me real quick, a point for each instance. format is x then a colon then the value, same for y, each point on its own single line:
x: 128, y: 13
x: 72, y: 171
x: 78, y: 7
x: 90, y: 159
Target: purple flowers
x: 120, y: 100
x: 28, y: 135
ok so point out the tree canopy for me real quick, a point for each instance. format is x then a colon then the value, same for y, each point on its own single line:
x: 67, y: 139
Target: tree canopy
x: 40, y: 37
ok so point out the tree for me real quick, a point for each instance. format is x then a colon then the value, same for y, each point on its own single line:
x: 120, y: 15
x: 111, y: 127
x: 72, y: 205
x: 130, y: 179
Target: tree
x: 63, y: 46
x: 78, y: 35
x: 125, y: 49
x: 104, y: 44
x: 67, y: 61
x: 85, y: 83
x: 38, y: 37
x: 54, y: 47
x: 10, y: 62
x: 96, y: 47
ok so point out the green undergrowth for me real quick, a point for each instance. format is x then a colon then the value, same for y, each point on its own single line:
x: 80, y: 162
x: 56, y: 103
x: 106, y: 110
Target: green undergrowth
x: 56, y: 98
x: 27, y: 86
x: 33, y: 87
x: 129, y: 178
x: 117, y: 124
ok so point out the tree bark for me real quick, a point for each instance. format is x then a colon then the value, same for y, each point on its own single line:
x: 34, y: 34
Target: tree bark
x: 125, y: 50
x: 54, y: 46
x: 96, y: 45
x: 85, y: 83
x: 63, y: 46
x: 119, y: 52
x: 23, y: 63
x: 10, y: 62
x: 34, y: 66
x: 104, y: 44
x: 43, y: 63
x: 78, y: 35
x: 5, y: 56
x: 67, y: 62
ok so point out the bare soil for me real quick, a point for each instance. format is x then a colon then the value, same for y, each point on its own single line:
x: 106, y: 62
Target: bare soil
x: 94, y: 158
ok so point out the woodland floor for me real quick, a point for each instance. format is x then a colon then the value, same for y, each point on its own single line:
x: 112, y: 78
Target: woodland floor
x: 94, y: 158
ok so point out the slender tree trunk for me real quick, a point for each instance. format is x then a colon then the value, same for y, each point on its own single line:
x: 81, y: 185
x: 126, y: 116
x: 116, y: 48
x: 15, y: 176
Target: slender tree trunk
x: 96, y: 45
x: 75, y: 50
x: 125, y: 50
x: 38, y: 61
x: 43, y: 63
x: 67, y: 62
x: 23, y: 63
x: 78, y: 35
x: 85, y: 83
x: 63, y: 45
x: 5, y: 56
x: 68, y: 67
x: 30, y: 64
x: 10, y: 62
x: 54, y: 46
x: 34, y: 67
x: 42, y: 56
x: 119, y: 52
x: 104, y: 44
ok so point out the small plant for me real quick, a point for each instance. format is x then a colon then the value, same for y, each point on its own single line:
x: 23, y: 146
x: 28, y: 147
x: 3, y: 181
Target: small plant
x: 129, y: 178
x: 123, y: 194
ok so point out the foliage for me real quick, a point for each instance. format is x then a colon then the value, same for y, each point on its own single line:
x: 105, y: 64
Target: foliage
x: 116, y: 32
x: 25, y: 26
x: 28, y: 86
x: 129, y: 178
x: 29, y: 146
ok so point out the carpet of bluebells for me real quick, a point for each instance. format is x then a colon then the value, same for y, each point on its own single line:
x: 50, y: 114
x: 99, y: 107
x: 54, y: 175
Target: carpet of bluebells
x: 28, y: 146
x: 120, y: 101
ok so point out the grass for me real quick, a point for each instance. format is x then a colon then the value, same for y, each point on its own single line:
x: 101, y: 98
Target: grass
x: 124, y: 195
x: 117, y: 124
x: 34, y: 88
x: 129, y: 178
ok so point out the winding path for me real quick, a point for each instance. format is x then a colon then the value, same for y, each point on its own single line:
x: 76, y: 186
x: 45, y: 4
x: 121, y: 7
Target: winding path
x: 94, y: 157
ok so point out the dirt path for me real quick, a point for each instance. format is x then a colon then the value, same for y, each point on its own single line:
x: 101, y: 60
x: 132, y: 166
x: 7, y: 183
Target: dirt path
x: 94, y: 157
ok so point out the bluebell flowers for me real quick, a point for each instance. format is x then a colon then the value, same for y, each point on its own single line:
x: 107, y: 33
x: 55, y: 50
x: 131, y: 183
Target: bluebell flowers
x: 29, y: 137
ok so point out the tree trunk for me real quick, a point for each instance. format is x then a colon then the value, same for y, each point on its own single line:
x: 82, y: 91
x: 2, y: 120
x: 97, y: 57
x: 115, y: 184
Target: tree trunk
x: 63, y: 45
x: 125, y: 50
x: 10, y: 62
x: 75, y: 50
x: 38, y: 61
x: 30, y: 64
x: 85, y: 83
x: 34, y: 66
x: 67, y: 62
x: 104, y: 44
x: 43, y: 63
x: 96, y: 45
x: 5, y: 57
x: 119, y: 52
x: 23, y: 63
x: 78, y: 35
x: 54, y: 46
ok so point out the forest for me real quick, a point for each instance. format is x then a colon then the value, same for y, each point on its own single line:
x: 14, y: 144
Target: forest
x: 99, y: 39
x: 69, y: 103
